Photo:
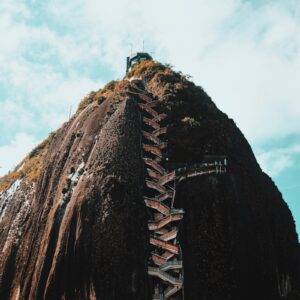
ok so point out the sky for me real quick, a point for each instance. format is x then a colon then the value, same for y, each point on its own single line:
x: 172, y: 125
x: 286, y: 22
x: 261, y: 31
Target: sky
x: 245, y: 54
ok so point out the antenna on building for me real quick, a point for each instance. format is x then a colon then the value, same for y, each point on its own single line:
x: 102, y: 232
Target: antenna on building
x: 143, y: 45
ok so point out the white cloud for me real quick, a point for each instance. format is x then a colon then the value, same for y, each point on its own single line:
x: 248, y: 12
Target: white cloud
x: 13, y: 114
x: 274, y: 162
x: 61, y: 97
x: 39, y: 91
x: 244, y: 55
x: 15, y: 151
x: 40, y: 96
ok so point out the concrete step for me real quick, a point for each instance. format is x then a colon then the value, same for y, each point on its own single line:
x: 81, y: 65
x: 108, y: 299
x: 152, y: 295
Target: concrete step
x: 153, y: 271
x: 171, y: 290
x: 155, y: 225
x: 159, y: 131
x: 153, y: 175
x: 155, y: 186
x: 156, y: 166
x: 151, y: 137
x: 161, y: 259
x: 157, y: 205
x: 166, y: 195
x: 170, y: 235
x: 153, y: 149
x: 167, y: 178
x: 164, y: 245
x: 160, y: 117
x: 151, y: 123
x: 145, y: 98
x: 171, y: 265
x: 148, y: 109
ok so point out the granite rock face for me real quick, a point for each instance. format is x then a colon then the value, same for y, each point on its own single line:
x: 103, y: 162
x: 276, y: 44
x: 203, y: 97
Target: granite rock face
x: 79, y: 231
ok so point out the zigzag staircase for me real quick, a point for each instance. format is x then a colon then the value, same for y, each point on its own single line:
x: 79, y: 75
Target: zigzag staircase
x: 165, y: 265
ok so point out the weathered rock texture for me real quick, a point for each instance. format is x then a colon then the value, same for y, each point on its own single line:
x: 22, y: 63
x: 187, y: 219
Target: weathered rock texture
x: 77, y: 229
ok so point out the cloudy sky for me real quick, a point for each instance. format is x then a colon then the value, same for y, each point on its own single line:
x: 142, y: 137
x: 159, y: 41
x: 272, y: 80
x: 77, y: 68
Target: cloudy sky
x: 245, y: 54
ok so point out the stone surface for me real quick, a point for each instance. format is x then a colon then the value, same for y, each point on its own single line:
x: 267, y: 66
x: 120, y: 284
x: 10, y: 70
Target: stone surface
x: 80, y: 230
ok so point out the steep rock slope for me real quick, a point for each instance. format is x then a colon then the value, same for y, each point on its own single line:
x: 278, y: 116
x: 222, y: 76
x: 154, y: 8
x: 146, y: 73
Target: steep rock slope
x: 73, y: 224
